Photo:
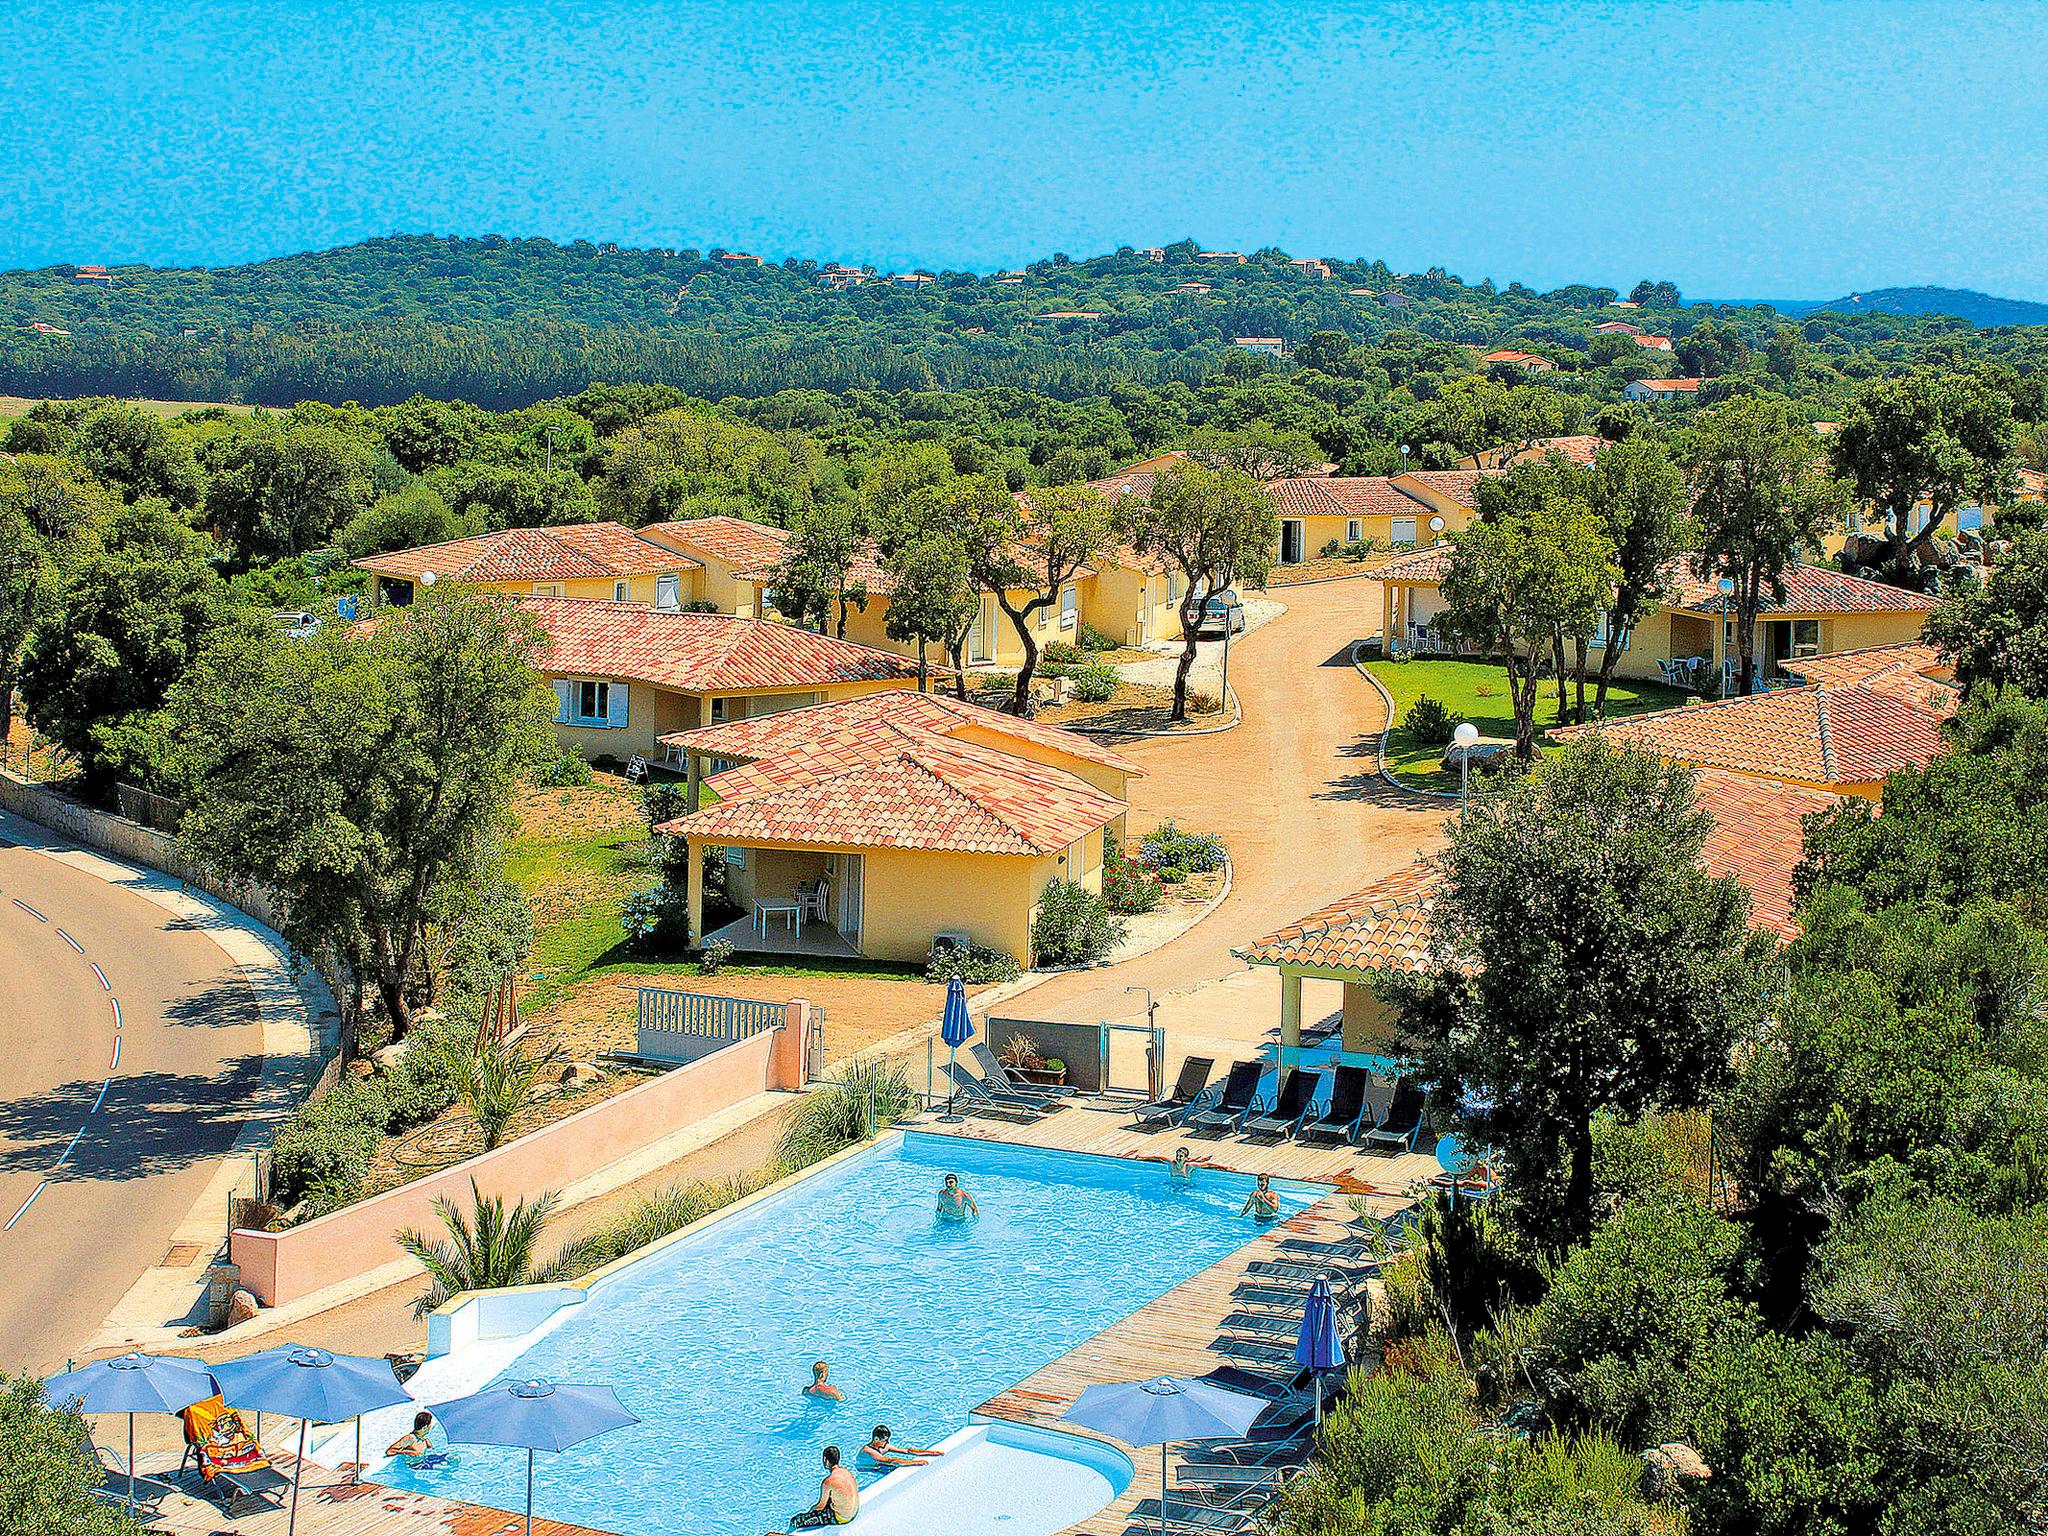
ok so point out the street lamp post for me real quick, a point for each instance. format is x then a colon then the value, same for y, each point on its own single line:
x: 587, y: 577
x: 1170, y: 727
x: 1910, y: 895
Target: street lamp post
x: 1465, y: 736
x: 549, y: 466
x: 1727, y: 587
x: 1436, y: 530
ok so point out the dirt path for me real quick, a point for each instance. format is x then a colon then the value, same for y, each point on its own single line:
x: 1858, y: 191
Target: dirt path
x: 1291, y: 790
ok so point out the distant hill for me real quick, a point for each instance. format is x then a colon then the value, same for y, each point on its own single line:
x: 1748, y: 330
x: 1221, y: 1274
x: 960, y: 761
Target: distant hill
x: 1965, y: 303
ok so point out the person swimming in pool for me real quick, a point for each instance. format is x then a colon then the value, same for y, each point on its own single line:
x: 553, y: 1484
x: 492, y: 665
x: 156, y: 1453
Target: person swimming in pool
x: 1182, y: 1170
x: 955, y: 1204
x: 821, y: 1383
x: 838, y: 1498
x: 418, y: 1446
x: 1261, y: 1203
x: 880, y: 1453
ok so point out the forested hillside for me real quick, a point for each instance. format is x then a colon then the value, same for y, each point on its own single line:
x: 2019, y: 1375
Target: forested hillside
x: 507, y: 322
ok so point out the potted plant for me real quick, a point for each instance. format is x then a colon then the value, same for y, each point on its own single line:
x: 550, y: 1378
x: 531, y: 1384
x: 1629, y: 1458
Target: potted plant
x: 1021, y: 1055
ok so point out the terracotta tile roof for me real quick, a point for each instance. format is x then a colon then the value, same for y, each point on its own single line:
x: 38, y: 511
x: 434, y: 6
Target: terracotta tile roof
x: 920, y: 791
x: 885, y: 715
x: 750, y: 548
x: 1654, y: 343
x: 1670, y: 386
x: 1523, y: 359
x: 1384, y: 927
x: 577, y: 551
x: 1343, y: 496
x: 1854, y: 733
x: 1817, y: 589
x: 2033, y: 485
x: 1583, y: 448
x: 699, y: 652
x: 1757, y: 837
x: 1422, y: 567
x: 1913, y: 659
x: 1460, y: 485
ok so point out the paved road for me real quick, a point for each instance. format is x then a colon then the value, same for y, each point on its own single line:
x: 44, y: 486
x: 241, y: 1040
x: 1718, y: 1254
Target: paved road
x: 101, y: 1157
x: 1293, y: 792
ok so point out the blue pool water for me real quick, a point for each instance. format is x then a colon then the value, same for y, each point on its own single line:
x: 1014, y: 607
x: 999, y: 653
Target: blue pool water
x: 710, y: 1339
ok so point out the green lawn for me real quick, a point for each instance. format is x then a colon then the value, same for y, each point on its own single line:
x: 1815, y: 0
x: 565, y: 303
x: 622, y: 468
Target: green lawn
x: 1478, y: 691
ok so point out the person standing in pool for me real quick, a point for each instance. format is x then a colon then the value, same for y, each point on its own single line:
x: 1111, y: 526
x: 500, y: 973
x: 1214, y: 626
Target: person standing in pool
x: 1261, y: 1203
x: 838, y: 1498
x: 1182, y: 1170
x: 955, y: 1204
x: 821, y: 1383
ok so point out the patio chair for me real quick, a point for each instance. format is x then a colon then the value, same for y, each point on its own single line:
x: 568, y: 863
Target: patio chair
x: 1240, y: 1093
x: 810, y: 900
x: 985, y: 1098
x: 234, y: 1473
x: 1189, y: 1093
x: 994, y: 1073
x: 1289, y: 1108
x: 1341, y: 1121
x: 1403, y: 1122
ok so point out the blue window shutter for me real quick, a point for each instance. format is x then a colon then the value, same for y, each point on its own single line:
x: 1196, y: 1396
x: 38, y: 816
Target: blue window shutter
x: 565, y: 700
x: 615, y: 708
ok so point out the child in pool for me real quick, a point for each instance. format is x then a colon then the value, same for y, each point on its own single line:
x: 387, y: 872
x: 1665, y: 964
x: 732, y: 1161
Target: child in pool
x: 821, y: 1383
x: 955, y: 1204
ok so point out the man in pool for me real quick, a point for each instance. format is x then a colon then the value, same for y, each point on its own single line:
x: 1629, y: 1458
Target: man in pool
x: 821, y: 1383
x: 838, y: 1498
x: 1261, y: 1203
x: 955, y: 1204
x: 1183, y: 1169
x: 879, y: 1452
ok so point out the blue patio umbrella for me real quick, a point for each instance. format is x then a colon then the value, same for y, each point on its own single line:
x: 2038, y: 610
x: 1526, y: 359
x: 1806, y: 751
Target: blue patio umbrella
x: 1164, y: 1411
x: 536, y: 1416
x: 1318, y: 1347
x: 312, y: 1386
x: 956, y: 1029
x: 133, y: 1384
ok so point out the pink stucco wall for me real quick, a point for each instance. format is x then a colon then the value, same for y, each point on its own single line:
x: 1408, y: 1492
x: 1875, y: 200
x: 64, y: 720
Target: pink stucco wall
x: 278, y: 1267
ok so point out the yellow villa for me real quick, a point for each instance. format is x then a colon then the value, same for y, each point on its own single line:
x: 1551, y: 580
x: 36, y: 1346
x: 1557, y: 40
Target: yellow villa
x: 1688, y: 639
x: 1756, y: 837
x: 582, y: 560
x: 1412, y: 510
x: 880, y: 825
x: 625, y: 674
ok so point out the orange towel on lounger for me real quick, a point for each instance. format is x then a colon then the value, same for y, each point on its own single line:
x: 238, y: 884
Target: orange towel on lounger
x: 223, y: 1441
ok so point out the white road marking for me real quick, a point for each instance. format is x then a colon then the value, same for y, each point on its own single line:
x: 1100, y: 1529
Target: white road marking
x: 105, y: 985
x: 31, y: 1200
x: 71, y: 941
x: 117, y: 1012
x: 31, y: 911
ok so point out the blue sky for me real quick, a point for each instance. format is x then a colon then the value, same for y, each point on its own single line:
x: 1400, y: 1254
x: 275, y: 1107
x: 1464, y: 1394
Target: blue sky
x: 1774, y: 150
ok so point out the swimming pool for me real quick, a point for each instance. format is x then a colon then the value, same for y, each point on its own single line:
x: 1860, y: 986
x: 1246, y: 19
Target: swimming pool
x: 709, y: 1338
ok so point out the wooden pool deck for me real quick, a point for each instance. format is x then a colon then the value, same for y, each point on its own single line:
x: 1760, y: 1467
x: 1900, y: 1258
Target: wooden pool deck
x: 329, y: 1505
x: 1182, y: 1333
x: 1108, y: 1129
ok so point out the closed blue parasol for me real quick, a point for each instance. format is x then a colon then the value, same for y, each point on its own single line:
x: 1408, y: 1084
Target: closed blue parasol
x: 312, y: 1386
x: 1163, y: 1412
x: 133, y: 1384
x: 536, y: 1416
x: 956, y: 1029
x: 1319, y: 1347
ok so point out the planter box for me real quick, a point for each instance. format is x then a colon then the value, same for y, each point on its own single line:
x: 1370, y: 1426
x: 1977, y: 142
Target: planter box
x: 1044, y: 1077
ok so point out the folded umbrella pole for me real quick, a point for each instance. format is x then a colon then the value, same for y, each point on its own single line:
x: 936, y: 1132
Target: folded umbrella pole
x: 1319, y: 1347
x: 955, y: 1029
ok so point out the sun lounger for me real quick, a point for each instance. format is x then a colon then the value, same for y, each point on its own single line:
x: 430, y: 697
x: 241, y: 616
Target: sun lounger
x: 1346, y: 1114
x: 234, y: 1473
x: 1240, y: 1092
x: 1289, y: 1107
x: 998, y: 1076
x: 1403, y: 1122
x: 1190, y: 1092
x: 985, y: 1098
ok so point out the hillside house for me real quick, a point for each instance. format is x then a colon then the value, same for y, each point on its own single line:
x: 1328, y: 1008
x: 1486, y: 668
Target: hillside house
x: 582, y: 560
x: 1660, y: 391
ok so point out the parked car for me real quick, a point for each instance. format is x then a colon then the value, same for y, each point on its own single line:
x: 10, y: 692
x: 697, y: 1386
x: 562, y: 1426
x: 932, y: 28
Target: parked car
x: 1221, y: 612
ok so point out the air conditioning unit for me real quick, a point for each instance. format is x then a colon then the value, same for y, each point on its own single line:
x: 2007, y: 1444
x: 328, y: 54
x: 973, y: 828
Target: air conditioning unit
x: 951, y: 938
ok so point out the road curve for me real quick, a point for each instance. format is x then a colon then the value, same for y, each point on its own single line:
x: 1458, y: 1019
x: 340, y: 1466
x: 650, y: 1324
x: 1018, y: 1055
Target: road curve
x: 130, y: 1052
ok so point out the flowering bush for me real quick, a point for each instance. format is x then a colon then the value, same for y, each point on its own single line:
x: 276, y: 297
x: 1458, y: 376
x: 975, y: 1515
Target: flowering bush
x: 1166, y: 846
x: 1127, y: 886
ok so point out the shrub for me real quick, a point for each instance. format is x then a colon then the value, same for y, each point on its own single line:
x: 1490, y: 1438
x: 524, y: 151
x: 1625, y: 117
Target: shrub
x: 1329, y: 550
x: 1194, y: 852
x: 567, y: 771
x: 716, y: 956
x: 1060, y: 653
x: 1360, y: 549
x: 1127, y: 887
x: 1073, y: 926
x: 1173, y: 874
x: 664, y: 801
x: 50, y: 1481
x: 653, y: 1217
x: 975, y: 964
x: 657, y: 920
x: 496, y: 1081
x: 1429, y: 722
x: 1093, y: 639
x: 861, y: 1097
x: 1095, y: 684
x: 327, y: 1145
x: 427, y: 1077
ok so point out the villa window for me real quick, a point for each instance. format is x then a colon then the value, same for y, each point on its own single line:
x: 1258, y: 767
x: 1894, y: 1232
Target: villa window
x: 1067, y: 610
x: 668, y: 592
x: 1805, y: 637
x: 618, y: 591
x: 1354, y: 530
x: 590, y: 701
x: 1403, y: 530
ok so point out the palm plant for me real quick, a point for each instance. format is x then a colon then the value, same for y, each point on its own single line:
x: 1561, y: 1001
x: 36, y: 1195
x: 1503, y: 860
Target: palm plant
x: 487, y: 1247
x: 861, y: 1097
x: 496, y: 1082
